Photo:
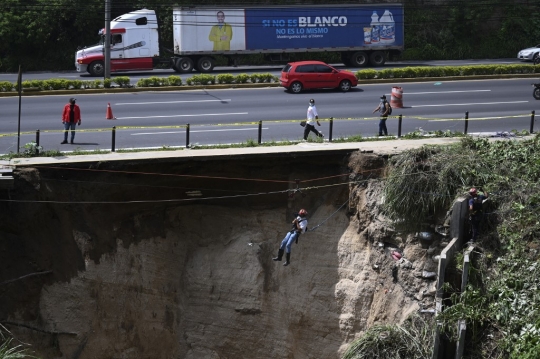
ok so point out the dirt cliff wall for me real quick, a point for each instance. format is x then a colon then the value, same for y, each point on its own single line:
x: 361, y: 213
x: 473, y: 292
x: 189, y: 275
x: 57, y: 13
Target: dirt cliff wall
x: 174, y: 259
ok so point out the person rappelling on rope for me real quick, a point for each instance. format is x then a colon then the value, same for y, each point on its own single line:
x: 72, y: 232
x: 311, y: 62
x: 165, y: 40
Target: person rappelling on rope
x: 299, y: 227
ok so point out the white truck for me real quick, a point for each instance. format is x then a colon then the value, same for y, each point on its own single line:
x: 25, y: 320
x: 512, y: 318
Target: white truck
x: 362, y: 34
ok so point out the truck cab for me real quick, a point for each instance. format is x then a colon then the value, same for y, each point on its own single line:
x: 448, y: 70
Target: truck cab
x: 134, y: 45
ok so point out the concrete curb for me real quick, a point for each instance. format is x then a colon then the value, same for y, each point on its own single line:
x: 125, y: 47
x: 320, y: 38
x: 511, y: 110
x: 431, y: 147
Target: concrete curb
x: 260, y: 85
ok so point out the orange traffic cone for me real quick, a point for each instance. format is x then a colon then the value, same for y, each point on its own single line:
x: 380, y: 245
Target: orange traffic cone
x: 109, y: 113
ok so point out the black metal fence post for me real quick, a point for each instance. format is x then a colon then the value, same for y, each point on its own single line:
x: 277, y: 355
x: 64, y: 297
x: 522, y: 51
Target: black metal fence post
x: 113, y: 143
x: 37, y: 137
x: 259, y: 139
x: 399, y: 126
x: 466, y: 121
x: 187, y: 135
x: 331, y: 129
x: 532, y: 122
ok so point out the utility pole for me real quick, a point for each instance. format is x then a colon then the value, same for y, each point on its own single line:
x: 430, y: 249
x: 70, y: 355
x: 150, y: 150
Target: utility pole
x: 107, y: 44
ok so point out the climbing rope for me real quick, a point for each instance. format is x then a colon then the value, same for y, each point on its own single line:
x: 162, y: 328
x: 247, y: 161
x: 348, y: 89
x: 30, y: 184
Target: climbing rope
x: 320, y: 224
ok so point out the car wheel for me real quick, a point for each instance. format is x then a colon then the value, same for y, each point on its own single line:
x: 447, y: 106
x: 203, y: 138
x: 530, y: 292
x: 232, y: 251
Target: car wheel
x: 377, y: 58
x: 96, y: 68
x: 345, y: 85
x: 536, y: 59
x: 359, y: 59
x: 296, y: 87
x: 205, y: 64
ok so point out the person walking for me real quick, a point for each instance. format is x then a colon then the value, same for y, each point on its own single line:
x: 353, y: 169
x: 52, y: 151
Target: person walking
x: 70, y: 118
x: 383, y: 109
x: 311, y: 116
x: 476, y: 202
x: 299, y: 227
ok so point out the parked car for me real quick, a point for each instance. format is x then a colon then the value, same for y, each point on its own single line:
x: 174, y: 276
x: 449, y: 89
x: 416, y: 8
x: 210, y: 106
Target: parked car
x: 530, y: 54
x: 303, y: 75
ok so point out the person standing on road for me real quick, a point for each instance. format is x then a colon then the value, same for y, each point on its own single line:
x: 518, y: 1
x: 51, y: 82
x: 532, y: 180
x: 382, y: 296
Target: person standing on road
x: 71, y: 117
x: 383, y: 109
x: 312, y: 115
x: 476, y: 212
x: 299, y: 227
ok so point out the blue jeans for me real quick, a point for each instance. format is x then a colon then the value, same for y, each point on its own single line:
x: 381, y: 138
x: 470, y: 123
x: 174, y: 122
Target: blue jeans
x: 288, y: 241
x: 69, y: 126
x: 475, y: 226
x: 382, y: 126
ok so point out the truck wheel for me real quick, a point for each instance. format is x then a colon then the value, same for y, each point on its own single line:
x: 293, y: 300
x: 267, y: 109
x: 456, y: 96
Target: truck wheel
x: 345, y: 85
x: 205, y: 64
x: 377, y: 58
x: 96, y: 68
x: 359, y: 59
x: 184, y: 64
x: 296, y: 87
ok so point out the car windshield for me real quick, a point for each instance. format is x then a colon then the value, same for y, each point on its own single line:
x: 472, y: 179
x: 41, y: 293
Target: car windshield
x: 286, y: 68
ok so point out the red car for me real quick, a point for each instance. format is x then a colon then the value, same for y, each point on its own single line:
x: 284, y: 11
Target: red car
x: 297, y: 76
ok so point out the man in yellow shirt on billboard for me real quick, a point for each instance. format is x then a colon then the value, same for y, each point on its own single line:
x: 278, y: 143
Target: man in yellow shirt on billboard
x: 221, y: 34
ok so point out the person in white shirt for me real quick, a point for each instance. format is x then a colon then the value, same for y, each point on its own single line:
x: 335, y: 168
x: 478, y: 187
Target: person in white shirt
x: 299, y: 227
x: 312, y: 115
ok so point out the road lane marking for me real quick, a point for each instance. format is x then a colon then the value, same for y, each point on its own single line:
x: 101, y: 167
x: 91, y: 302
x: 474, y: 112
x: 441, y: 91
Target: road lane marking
x: 162, y: 102
x: 471, y: 104
x: 442, y: 92
x: 171, y: 116
x: 191, y: 131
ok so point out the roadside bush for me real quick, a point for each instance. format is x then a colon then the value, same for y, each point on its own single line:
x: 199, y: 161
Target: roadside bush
x: 122, y: 81
x: 175, y: 80
x: 7, y: 86
x: 241, y: 78
x: 366, y: 74
x: 153, y: 81
x: 202, y: 79
x: 225, y: 79
x: 385, y: 74
x: 95, y: 84
x: 107, y: 83
x: 268, y: 77
x: 33, y: 84
x: 255, y: 78
x: 74, y: 84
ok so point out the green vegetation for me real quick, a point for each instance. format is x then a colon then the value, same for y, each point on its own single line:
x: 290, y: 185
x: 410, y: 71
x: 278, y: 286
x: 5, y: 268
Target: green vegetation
x: 8, y: 350
x: 411, y: 340
x: 207, y: 79
x: 43, y: 34
x: 501, y: 303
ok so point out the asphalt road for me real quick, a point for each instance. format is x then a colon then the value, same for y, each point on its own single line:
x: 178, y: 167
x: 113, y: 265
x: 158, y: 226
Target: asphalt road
x: 158, y: 119
x: 275, y: 70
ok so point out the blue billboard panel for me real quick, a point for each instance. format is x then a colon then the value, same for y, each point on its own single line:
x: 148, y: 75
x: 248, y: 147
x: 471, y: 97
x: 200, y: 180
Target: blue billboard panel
x: 290, y: 28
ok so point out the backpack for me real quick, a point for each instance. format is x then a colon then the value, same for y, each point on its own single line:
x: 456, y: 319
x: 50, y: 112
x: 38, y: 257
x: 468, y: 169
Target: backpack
x: 477, y: 204
x: 389, y: 107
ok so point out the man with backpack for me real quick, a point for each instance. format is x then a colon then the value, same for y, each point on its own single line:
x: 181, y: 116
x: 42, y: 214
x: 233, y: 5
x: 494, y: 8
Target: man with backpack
x: 385, y: 110
x: 299, y: 227
x: 476, y: 210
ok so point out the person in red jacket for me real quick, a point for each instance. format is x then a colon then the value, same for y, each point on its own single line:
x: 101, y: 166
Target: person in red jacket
x: 70, y: 117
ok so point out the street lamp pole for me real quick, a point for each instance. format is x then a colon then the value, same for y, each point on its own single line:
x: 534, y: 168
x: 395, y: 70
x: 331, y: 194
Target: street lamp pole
x: 107, y: 44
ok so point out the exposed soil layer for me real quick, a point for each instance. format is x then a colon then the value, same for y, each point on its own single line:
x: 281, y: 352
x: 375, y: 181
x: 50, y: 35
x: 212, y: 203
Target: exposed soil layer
x: 173, y: 258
